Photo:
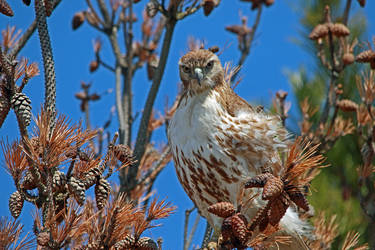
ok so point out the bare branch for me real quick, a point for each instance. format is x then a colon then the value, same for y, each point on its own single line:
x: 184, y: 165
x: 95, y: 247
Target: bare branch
x: 142, y: 135
x: 245, y: 51
x: 186, y: 226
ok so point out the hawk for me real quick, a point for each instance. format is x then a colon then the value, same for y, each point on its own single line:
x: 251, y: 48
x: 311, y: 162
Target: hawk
x: 219, y: 141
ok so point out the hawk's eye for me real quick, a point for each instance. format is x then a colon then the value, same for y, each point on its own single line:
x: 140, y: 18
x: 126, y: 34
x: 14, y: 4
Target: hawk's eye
x: 209, y: 65
x: 186, y: 69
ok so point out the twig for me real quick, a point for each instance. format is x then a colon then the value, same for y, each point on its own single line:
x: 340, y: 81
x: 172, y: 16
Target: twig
x: 142, y: 135
x: 207, y: 235
x: 105, y: 13
x: 346, y: 12
x: 186, y: 226
x: 248, y: 42
x: 120, y: 111
x: 104, y: 64
x: 156, y: 165
x: 127, y: 90
x: 192, y: 232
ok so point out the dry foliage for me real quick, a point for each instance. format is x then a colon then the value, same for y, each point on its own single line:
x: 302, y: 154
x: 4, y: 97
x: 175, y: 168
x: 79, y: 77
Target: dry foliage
x: 57, y: 163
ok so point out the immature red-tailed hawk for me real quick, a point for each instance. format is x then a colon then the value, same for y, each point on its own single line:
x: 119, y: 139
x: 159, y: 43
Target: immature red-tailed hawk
x: 219, y: 141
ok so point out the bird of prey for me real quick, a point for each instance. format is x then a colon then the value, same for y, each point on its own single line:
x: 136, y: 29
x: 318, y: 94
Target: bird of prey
x: 219, y: 141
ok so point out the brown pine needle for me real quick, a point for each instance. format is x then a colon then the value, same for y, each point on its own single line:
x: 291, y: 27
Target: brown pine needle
x: 351, y: 241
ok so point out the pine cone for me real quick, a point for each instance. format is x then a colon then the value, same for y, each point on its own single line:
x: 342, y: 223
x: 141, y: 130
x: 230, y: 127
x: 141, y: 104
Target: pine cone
x: 222, y: 209
x: 273, y: 188
x: 146, y: 243
x: 258, y: 181
x: 58, y: 180
x: 365, y: 56
x: 127, y: 243
x: 320, y: 31
x: 21, y: 105
x: 36, y: 146
x: 102, y: 190
x: 4, y: 108
x: 278, y: 209
x: 94, y: 65
x: 77, y: 189
x: 348, y: 58
x: 78, y: 20
x: 208, y: 6
x: 238, y: 29
x: 339, y: 30
x: 83, y: 156
x: 300, y: 200
x: 27, y: 2
x: 239, y: 228
x: 347, y: 105
x: 362, y: 2
x: 260, y: 218
x: 43, y: 239
x: 123, y: 153
x: 269, y: 2
x: 28, y: 181
x: 226, y: 229
x: 151, y: 9
x: 5, y: 8
x: 92, y: 176
x: 15, y: 204
x: 94, y: 246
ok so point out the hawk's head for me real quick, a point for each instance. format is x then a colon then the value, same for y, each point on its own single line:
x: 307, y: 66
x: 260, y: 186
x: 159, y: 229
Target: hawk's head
x: 200, y: 70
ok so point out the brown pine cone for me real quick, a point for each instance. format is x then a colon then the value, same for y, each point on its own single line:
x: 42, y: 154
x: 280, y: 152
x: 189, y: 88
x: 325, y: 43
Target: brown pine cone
x: 362, y: 2
x: 5, y: 8
x: 94, y: 65
x: 300, y: 200
x: 208, y: 6
x: 43, y: 239
x: 92, y: 176
x: 15, y: 204
x: 123, y: 153
x: 365, y: 56
x: 102, y: 190
x: 22, y: 107
x: 77, y: 189
x: 239, y: 228
x: 273, y: 188
x: 320, y: 31
x: 347, y: 105
x: 127, y: 243
x: 278, y: 209
x: 258, y: 181
x: 339, y: 30
x: 58, y: 180
x: 146, y: 243
x: 348, y: 58
x: 28, y: 181
x: 27, y: 2
x: 78, y: 20
x: 222, y: 209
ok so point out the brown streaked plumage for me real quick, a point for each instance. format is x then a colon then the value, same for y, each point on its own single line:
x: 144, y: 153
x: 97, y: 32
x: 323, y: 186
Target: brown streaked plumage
x: 218, y: 140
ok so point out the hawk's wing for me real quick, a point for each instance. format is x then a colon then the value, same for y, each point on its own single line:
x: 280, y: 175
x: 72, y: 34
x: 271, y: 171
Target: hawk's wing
x: 252, y: 134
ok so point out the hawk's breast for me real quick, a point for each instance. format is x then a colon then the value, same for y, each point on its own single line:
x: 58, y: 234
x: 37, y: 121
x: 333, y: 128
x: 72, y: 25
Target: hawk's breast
x: 202, y: 138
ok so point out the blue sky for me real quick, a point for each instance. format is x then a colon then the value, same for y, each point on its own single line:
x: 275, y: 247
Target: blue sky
x: 262, y: 74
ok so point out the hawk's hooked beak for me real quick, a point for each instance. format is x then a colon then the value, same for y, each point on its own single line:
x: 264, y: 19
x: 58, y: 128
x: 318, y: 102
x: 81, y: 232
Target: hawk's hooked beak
x: 198, y: 75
